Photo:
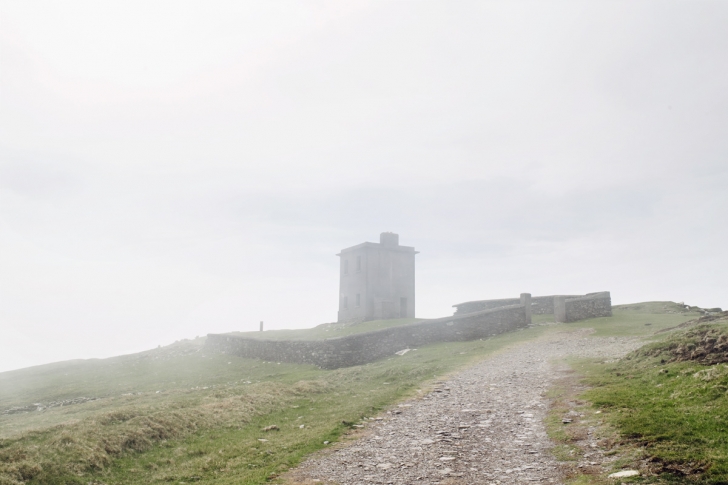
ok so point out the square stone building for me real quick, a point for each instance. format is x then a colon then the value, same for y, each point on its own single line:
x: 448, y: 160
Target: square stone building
x: 377, y: 281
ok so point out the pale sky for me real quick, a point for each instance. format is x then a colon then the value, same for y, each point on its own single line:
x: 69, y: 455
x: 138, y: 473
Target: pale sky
x: 172, y: 169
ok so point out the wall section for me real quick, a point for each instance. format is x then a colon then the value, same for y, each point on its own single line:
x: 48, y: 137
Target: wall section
x: 540, y: 305
x: 367, y: 347
x: 593, y: 305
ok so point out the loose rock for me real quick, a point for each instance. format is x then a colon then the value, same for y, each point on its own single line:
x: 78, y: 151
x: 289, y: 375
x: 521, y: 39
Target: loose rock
x: 624, y: 474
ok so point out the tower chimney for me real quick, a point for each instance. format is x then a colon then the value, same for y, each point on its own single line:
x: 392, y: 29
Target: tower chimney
x: 389, y: 239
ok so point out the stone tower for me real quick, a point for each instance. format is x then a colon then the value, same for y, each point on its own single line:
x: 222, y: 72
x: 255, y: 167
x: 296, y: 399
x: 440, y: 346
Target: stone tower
x: 377, y: 281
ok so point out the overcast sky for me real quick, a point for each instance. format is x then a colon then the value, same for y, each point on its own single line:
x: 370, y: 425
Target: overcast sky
x: 172, y: 169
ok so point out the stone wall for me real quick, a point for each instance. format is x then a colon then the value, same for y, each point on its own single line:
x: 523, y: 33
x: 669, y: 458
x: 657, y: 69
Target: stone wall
x: 367, y: 347
x: 477, y: 306
x: 544, y: 305
x: 592, y: 305
x: 540, y: 305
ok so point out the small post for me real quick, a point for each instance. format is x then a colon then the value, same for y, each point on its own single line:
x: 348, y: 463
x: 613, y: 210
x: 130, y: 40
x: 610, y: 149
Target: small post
x: 261, y: 326
x: 526, y: 302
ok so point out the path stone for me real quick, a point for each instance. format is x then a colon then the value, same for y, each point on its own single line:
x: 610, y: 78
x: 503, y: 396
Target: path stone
x: 482, y: 426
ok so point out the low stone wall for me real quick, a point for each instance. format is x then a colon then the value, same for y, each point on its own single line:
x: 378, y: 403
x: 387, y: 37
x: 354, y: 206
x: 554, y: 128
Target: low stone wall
x: 544, y: 305
x: 477, y: 306
x: 367, y: 347
x: 592, y: 305
x: 540, y: 305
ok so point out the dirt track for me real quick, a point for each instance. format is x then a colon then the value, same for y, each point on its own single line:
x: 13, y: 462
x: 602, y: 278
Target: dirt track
x: 481, y: 426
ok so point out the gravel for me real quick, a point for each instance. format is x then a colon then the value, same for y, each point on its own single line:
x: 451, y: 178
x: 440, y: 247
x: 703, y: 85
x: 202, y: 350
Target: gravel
x: 483, y: 425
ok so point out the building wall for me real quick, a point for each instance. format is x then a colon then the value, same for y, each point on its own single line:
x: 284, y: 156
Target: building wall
x: 387, y: 275
x: 351, y: 283
x: 370, y: 346
x: 391, y: 277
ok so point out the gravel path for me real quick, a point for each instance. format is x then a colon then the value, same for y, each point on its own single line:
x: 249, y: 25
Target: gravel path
x: 481, y: 426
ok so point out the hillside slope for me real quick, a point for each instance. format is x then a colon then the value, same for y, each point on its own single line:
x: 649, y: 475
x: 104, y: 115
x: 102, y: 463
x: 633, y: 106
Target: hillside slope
x: 668, y: 400
x: 180, y: 414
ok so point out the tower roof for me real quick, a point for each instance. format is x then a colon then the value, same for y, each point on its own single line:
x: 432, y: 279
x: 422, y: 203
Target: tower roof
x: 387, y: 241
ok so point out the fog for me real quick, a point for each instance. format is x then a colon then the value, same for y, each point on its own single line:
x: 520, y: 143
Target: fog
x: 172, y: 169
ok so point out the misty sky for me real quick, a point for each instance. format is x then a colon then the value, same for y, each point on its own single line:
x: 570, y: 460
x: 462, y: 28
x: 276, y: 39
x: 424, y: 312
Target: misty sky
x: 172, y: 169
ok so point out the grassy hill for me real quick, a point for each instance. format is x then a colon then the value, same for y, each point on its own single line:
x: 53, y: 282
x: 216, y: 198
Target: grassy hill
x: 181, y: 414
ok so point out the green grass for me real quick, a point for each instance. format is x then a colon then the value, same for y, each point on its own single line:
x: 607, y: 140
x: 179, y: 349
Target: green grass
x: 676, y: 411
x: 634, y: 320
x: 204, y: 424
x: 637, y: 320
x: 542, y: 319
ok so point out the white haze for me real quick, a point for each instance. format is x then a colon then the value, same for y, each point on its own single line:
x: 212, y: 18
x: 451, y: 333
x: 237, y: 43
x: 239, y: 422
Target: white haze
x: 171, y: 169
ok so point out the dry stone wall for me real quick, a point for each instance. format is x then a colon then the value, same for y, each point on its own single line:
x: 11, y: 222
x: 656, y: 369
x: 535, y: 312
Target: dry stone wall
x: 477, y: 306
x: 544, y: 305
x: 367, y: 347
x: 472, y: 320
x: 540, y: 305
x: 592, y: 305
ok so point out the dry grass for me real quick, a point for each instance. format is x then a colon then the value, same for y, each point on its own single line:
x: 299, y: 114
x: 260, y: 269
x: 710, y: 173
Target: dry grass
x: 92, y: 444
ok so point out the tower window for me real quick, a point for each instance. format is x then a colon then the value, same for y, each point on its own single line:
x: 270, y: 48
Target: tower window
x: 358, y: 263
x: 346, y: 302
x: 358, y: 299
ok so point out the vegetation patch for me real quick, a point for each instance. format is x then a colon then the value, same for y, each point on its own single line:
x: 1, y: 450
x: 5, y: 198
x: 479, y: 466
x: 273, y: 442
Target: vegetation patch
x: 576, y: 429
x: 638, y: 319
x: 704, y: 343
x: 711, y: 317
x: 670, y: 400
